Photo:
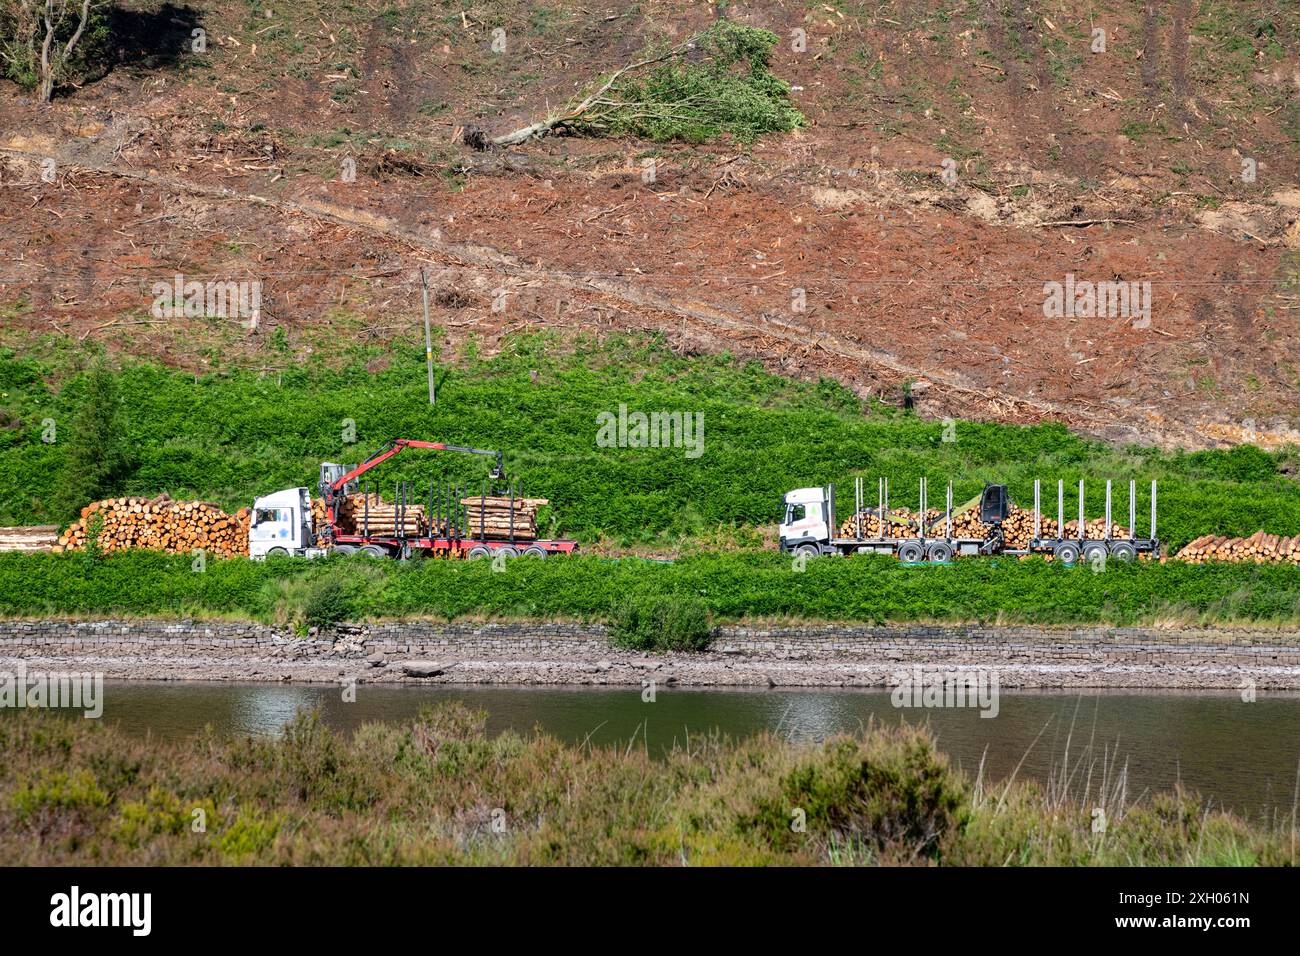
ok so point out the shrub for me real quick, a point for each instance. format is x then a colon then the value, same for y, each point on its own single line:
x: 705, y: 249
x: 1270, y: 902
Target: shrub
x: 329, y: 602
x: 79, y: 40
x: 423, y: 792
x: 889, y: 792
x: 663, y: 624
x: 98, y: 455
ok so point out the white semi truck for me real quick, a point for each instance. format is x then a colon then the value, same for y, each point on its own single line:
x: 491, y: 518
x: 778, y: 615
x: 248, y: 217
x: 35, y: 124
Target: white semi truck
x: 282, y: 525
x: 808, y: 527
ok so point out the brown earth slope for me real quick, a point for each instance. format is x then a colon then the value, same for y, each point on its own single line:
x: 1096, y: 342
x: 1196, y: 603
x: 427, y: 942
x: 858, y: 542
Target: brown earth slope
x: 1121, y: 165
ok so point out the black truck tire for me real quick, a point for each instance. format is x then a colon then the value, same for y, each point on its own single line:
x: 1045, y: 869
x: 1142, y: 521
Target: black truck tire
x: 1067, y: 552
x: 939, y: 552
x: 910, y: 552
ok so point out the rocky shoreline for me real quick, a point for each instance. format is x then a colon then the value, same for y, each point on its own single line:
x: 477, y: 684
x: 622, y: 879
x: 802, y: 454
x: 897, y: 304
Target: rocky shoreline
x: 579, y: 654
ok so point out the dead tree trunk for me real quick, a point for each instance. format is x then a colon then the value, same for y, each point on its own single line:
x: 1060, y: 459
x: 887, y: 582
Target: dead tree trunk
x: 55, y: 57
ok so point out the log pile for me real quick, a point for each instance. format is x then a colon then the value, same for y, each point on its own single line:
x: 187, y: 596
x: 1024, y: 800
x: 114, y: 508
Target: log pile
x: 36, y: 537
x: 1260, y: 547
x: 358, y: 514
x: 965, y: 524
x: 1018, y: 529
x: 898, y: 523
x: 490, y: 517
x: 159, y: 524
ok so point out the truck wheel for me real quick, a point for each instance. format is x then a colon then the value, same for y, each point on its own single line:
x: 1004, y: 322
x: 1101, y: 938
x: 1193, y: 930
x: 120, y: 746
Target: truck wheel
x: 533, y: 551
x: 374, y: 551
x: 910, y: 552
x: 940, y: 552
x: 1123, y: 551
x: 507, y: 552
x: 808, y: 551
x: 1067, y: 552
x: 344, y: 549
x: 1091, y: 552
x: 478, y: 551
x: 277, y: 553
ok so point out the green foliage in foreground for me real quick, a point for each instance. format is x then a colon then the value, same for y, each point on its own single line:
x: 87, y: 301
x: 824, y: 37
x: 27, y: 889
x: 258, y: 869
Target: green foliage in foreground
x: 723, y: 86
x: 72, y: 793
x: 662, y: 624
x: 231, y: 435
x: 729, y: 586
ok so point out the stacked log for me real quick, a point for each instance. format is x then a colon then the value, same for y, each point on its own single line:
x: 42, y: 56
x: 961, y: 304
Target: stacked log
x: 490, y: 517
x: 159, y: 524
x: 965, y: 524
x: 359, y: 514
x: 1260, y: 547
x: 1017, y: 529
x: 898, y: 523
x: 36, y: 537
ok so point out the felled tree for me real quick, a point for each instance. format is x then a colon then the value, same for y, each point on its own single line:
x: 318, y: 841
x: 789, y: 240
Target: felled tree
x: 716, y: 82
x: 45, y: 42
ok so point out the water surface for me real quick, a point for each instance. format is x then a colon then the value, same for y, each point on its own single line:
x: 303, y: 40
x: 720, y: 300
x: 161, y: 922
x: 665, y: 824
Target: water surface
x: 1242, y: 755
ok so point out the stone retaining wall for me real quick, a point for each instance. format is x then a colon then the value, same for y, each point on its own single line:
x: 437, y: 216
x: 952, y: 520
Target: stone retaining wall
x: 231, y: 639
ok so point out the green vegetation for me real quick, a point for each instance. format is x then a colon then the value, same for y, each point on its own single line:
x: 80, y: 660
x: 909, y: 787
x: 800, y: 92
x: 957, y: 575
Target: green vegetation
x: 230, y: 435
x: 328, y: 603
x: 97, y: 456
x: 77, y: 49
x: 729, y: 586
x: 440, y: 790
x: 662, y: 624
x: 724, y: 86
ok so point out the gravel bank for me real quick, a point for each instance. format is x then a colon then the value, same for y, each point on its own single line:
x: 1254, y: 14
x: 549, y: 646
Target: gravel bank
x: 544, y: 653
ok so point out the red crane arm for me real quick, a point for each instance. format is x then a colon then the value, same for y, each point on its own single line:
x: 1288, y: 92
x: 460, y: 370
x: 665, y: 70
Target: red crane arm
x: 385, y: 453
x: 388, y: 451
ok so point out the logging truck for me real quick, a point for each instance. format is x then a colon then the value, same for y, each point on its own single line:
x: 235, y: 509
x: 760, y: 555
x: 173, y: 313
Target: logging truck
x: 808, y: 527
x: 440, y: 519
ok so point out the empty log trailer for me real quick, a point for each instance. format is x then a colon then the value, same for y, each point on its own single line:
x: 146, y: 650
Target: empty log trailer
x: 437, y: 519
x: 809, y: 528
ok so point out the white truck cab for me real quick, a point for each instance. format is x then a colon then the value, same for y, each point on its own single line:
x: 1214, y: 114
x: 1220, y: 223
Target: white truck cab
x: 282, y: 525
x: 805, y: 527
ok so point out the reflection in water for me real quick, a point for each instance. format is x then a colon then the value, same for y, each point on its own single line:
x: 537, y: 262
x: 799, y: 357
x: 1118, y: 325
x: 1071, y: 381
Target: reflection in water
x: 1238, y: 754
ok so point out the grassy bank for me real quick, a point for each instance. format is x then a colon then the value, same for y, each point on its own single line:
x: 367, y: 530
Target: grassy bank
x: 730, y: 586
x: 439, y: 790
x: 233, y: 434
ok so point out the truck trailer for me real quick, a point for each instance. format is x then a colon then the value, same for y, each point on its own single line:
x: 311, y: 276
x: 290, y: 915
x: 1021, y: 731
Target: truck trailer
x: 808, y: 527
x: 283, y: 523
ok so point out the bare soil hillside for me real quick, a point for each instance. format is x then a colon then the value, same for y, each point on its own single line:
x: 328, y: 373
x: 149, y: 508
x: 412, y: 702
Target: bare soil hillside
x: 958, y: 156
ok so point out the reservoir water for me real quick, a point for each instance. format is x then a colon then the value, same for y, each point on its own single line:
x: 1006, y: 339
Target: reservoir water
x: 1240, y: 755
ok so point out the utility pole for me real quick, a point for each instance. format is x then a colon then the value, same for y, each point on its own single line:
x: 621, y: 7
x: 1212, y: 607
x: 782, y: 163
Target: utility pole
x: 428, y: 337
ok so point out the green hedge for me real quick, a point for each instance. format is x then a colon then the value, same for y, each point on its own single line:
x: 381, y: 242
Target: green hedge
x: 729, y: 586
